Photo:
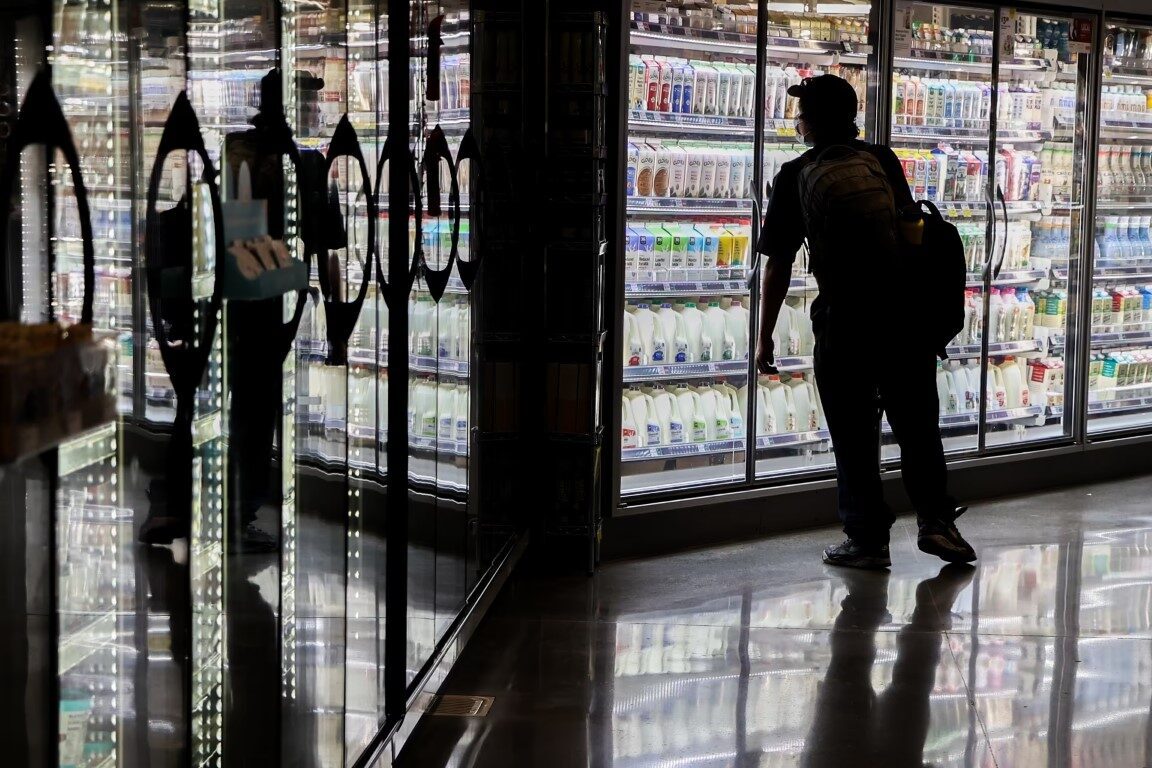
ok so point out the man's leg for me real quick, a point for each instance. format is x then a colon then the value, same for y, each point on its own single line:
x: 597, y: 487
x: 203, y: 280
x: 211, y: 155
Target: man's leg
x: 910, y: 400
x: 848, y: 393
x: 908, y: 393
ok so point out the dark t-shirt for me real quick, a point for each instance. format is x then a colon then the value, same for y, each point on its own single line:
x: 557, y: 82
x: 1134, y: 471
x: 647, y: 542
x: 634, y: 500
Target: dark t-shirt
x: 783, y: 231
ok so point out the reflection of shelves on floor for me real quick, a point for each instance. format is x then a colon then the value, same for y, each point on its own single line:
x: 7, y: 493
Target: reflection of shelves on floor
x: 87, y: 449
x: 690, y: 206
x: 675, y: 122
x: 701, y: 288
x: 206, y: 428
x: 966, y: 351
x: 79, y: 646
x: 439, y: 445
x: 722, y: 447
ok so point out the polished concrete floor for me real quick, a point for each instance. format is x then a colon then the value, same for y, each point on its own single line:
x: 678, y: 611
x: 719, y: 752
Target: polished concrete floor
x: 757, y: 654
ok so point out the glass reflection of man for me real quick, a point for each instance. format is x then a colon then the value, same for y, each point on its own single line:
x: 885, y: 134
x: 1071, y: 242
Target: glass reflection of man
x: 853, y: 725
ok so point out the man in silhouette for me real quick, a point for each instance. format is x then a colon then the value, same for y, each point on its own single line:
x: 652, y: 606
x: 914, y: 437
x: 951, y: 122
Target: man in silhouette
x: 870, y: 355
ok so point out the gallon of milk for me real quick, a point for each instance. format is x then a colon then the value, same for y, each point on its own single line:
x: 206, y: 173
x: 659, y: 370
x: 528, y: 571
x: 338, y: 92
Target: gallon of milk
x: 738, y: 328
x: 651, y: 334
x: 446, y: 411
x: 1016, y: 391
x: 633, y: 344
x: 461, y: 420
x: 735, y: 412
x: 629, y: 434
x: 696, y: 429
x: 706, y: 410
x: 765, y: 415
x: 781, y: 404
x: 694, y: 331
x: 668, y: 414
x: 675, y: 336
x: 943, y: 391
x: 644, y: 414
x: 716, y: 326
x: 803, y: 405
x: 723, y: 413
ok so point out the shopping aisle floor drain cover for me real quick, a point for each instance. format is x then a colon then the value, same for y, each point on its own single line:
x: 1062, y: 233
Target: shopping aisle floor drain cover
x: 460, y: 706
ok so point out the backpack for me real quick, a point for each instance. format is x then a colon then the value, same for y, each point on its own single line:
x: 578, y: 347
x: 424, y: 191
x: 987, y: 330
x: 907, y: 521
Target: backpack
x: 847, y: 202
x: 939, y: 263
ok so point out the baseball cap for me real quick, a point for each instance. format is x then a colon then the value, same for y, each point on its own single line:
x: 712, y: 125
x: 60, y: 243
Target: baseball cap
x: 826, y: 99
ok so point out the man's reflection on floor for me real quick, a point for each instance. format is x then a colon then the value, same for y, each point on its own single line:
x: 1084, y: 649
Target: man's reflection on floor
x: 853, y: 725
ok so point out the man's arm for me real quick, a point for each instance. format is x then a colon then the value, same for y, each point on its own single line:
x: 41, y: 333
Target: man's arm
x: 774, y: 285
x: 781, y: 237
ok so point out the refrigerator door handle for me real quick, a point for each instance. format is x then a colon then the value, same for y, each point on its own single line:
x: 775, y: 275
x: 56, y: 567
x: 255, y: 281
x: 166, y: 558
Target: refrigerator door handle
x: 1004, y: 234
x: 754, y: 275
x: 990, y: 234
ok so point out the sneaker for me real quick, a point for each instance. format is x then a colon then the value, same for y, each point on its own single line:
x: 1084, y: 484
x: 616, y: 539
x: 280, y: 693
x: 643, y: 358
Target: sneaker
x: 851, y: 554
x: 941, y: 538
x: 252, y: 541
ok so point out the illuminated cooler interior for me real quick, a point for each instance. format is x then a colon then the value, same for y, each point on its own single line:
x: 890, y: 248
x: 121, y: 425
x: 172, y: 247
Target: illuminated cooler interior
x: 693, y: 211
x: 1019, y: 294
x: 1119, y: 367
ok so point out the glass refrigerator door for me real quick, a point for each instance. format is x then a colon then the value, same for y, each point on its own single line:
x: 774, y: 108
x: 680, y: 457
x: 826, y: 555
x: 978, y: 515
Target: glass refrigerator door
x: 941, y: 120
x: 1039, y: 163
x: 790, y: 430
x: 1120, y: 356
x: 690, y: 155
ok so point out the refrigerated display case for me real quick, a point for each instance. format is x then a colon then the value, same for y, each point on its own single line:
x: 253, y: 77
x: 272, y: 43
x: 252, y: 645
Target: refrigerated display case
x: 986, y: 121
x: 987, y: 108
x: 708, y: 124
x: 1119, y: 364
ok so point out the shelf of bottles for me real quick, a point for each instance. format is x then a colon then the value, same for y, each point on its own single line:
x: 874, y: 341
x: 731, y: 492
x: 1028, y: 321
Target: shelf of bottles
x: 690, y: 192
x: 1119, y: 367
x: 943, y: 85
x: 90, y: 77
x: 92, y: 530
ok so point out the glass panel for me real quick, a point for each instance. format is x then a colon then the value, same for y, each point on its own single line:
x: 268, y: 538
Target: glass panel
x: 1039, y: 183
x: 691, y: 108
x: 1120, y: 357
x: 791, y: 433
x: 941, y: 119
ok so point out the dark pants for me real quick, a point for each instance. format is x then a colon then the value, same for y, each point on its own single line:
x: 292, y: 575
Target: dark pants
x: 860, y: 372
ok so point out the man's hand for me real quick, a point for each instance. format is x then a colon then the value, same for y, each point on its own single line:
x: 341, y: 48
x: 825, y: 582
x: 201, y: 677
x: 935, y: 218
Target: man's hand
x: 766, y: 355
